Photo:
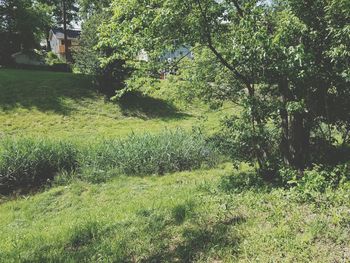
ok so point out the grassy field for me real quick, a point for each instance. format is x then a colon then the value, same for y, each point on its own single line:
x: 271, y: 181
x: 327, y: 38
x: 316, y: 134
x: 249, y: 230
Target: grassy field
x: 62, y: 105
x: 216, y: 214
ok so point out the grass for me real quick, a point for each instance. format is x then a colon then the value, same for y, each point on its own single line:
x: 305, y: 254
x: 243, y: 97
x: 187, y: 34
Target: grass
x: 63, y: 105
x: 181, y: 217
x: 28, y: 164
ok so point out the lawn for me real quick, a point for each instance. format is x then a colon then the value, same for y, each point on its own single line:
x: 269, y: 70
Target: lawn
x: 217, y: 214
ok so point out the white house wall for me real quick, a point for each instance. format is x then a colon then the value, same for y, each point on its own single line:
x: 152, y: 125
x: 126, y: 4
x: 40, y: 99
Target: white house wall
x: 55, y: 44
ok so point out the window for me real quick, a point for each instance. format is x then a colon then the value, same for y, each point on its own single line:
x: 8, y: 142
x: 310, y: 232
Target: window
x: 68, y: 41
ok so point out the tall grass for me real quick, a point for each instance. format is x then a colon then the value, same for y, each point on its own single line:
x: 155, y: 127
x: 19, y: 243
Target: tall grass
x: 145, y: 154
x: 30, y: 163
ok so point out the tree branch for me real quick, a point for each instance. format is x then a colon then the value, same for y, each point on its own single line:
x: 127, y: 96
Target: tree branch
x: 238, y: 8
x: 218, y: 55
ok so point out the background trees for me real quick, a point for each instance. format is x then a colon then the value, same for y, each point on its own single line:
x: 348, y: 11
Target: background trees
x: 286, y: 63
x: 24, y: 23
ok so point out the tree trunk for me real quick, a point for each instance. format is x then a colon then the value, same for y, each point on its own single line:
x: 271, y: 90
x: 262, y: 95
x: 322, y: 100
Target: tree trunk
x: 295, y: 137
x: 66, y: 46
x: 260, y: 149
x: 48, y: 45
x: 284, y: 144
x: 299, y: 141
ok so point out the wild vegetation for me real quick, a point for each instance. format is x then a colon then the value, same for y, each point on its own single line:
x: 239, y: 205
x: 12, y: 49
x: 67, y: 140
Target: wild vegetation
x: 27, y: 164
x: 94, y: 212
x: 241, y: 154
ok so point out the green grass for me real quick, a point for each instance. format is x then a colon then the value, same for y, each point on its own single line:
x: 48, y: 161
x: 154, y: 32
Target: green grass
x: 62, y: 105
x: 28, y: 164
x: 181, y: 217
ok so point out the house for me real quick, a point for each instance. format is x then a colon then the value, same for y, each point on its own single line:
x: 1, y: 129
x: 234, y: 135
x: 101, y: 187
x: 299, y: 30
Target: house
x: 173, y: 57
x: 180, y: 52
x: 56, y: 38
x: 170, y: 57
x: 28, y: 57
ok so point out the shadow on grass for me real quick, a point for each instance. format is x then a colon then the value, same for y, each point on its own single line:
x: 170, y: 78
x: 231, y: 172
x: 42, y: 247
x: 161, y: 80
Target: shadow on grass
x: 44, y: 91
x: 246, y: 181
x: 201, y: 239
x: 61, y: 92
x: 135, y: 104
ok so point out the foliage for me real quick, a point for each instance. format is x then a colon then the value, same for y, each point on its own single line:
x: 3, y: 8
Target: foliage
x: 56, y: 12
x: 286, y: 65
x: 318, y: 181
x: 22, y: 24
x: 52, y: 58
x: 108, y: 77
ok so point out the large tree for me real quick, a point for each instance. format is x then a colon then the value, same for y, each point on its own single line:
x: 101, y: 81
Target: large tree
x: 285, y: 62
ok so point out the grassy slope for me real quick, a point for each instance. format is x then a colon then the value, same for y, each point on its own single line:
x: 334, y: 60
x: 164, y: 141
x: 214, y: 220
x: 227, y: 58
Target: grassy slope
x: 63, y: 105
x: 178, y: 217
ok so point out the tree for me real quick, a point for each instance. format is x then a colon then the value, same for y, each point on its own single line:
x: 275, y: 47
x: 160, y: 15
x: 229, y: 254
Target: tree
x: 21, y: 25
x: 87, y: 57
x: 108, y: 77
x: 286, y: 64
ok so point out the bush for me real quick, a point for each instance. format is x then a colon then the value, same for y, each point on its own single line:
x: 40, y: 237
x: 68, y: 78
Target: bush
x: 27, y: 164
x: 316, y: 180
x: 108, y: 77
x: 52, y: 59
x: 169, y: 151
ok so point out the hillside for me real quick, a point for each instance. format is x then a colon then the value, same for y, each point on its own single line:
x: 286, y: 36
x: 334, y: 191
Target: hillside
x: 66, y: 106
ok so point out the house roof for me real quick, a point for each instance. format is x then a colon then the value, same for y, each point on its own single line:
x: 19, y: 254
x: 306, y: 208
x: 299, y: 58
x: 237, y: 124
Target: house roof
x: 72, y: 34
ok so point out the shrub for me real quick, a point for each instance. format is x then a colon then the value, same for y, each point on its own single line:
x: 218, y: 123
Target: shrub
x: 108, y: 77
x: 316, y: 180
x: 29, y: 163
x: 52, y: 58
x: 168, y: 151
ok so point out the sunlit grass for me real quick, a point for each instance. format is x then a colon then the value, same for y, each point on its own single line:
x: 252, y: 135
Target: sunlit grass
x: 61, y: 105
x: 181, y: 217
